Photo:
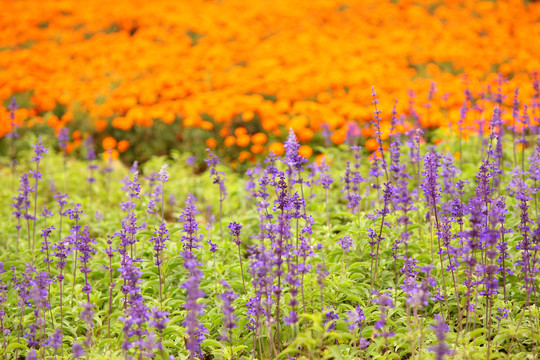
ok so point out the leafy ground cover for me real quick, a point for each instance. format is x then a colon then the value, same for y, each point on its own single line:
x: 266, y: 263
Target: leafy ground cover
x: 428, y: 251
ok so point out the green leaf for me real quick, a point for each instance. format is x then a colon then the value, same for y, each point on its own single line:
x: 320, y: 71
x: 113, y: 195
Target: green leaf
x: 14, y: 346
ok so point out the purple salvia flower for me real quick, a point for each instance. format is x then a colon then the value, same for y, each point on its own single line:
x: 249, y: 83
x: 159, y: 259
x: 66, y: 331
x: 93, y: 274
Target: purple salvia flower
x: 526, y: 246
x: 353, y: 133
x: 293, y: 159
x: 78, y: 350
x: 12, y: 108
x: 55, y: 341
x: 131, y: 273
x: 45, y: 234
x: 294, y: 283
x: 534, y: 167
x: 252, y: 174
x: 326, y: 134
x: 75, y: 213
x: 161, y: 235
x: 355, y: 318
x: 63, y: 138
x: 235, y: 230
x: 419, y: 294
x: 385, y: 302
x: 61, y: 201
x: 39, y: 150
x: 195, y: 330
x: 87, y: 315
x: 86, y: 250
x: 431, y: 186
x: 31, y: 354
x: 346, y: 243
x: 137, y: 313
x: 190, y: 227
x: 163, y: 174
x: 462, y: 115
x: 449, y: 173
x: 325, y: 177
x: 330, y: 318
x: 159, y: 319
x: 218, y: 176
x: 457, y: 207
x: 61, y: 251
x: 229, y: 319
x: 502, y: 313
x: 134, y: 193
x: 377, y: 125
x: 440, y: 328
x: 191, y: 160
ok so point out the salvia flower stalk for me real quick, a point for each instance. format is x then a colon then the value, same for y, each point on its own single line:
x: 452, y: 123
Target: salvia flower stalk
x: 39, y: 150
x: 218, y: 178
x: 229, y: 318
x: 195, y: 329
x: 235, y: 229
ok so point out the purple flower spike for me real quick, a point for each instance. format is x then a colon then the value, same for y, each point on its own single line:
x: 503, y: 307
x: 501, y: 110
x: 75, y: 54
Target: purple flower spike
x: 440, y: 328
x: 78, y: 350
x: 229, y: 319
x: 190, y: 227
x: 346, y: 243
x: 39, y: 150
x: 235, y: 229
x: 292, y: 159
x: 356, y: 316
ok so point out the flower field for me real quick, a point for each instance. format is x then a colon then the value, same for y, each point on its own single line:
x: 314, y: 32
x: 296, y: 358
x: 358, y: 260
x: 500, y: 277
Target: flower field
x: 407, y: 255
x: 247, y: 180
x: 165, y: 72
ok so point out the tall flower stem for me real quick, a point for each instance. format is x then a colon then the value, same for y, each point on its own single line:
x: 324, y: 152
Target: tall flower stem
x: 35, y: 210
x: 241, y: 269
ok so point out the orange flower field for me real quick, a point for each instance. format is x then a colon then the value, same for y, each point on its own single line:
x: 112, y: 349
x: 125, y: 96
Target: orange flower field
x: 243, y: 71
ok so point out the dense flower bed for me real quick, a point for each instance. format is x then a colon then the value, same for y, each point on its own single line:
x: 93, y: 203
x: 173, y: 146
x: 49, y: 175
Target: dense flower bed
x: 238, y: 74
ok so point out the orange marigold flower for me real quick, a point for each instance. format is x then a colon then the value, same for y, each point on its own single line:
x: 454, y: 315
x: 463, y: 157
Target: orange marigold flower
x: 108, y: 143
x: 168, y: 118
x: 122, y: 123
x: 112, y: 155
x: 123, y: 145
x: 338, y: 137
x: 259, y: 138
x: 53, y: 121
x: 244, y: 155
x: 243, y: 140
x: 305, y: 135
x: 371, y: 144
x: 224, y: 132
x: 256, y: 149
x: 67, y: 117
x: 366, y: 131
x: 305, y: 151
x: 100, y: 125
x: 211, y: 143
x: 239, y: 131
x: 207, y: 125
x: 320, y: 158
x: 277, y: 148
x: 248, y: 115
x: 230, y: 140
